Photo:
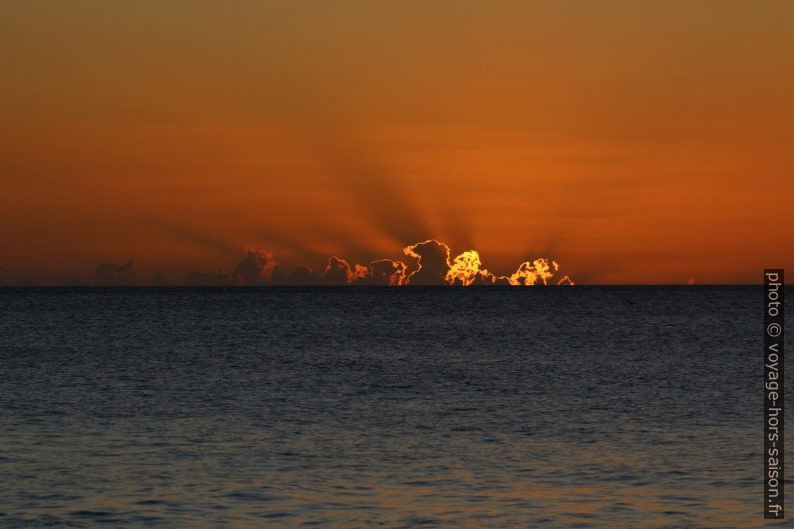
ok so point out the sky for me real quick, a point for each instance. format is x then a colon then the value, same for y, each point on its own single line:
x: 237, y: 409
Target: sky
x: 630, y: 142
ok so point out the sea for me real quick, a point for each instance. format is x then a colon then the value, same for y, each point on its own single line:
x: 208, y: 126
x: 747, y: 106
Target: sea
x: 367, y: 407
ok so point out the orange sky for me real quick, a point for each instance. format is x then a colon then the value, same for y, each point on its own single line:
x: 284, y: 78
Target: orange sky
x: 632, y: 142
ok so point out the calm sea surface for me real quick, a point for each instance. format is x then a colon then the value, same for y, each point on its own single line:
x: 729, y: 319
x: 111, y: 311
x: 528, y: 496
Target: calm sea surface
x: 382, y: 408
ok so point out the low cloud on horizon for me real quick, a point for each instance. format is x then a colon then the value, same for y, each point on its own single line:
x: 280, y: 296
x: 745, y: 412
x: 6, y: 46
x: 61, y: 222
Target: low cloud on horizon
x: 429, y: 262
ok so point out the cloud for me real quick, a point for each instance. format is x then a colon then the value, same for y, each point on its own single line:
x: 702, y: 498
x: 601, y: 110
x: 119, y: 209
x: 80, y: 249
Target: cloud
x: 435, y: 267
x: 385, y: 272
x: 283, y: 242
x: 207, y: 278
x: 466, y: 269
x: 110, y: 274
x: 158, y: 279
x: 566, y: 280
x: 432, y: 262
x: 536, y: 272
x: 256, y: 268
x: 301, y: 275
x: 339, y: 272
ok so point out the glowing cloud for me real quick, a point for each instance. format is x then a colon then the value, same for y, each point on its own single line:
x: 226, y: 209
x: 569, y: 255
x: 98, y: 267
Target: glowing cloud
x: 466, y: 269
x: 432, y: 259
x: 534, y: 272
x: 433, y: 266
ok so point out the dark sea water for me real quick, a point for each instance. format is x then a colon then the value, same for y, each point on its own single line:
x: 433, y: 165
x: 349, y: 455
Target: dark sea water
x: 382, y: 408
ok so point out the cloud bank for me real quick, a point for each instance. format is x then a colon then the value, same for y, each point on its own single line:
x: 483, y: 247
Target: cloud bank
x: 428, y: 262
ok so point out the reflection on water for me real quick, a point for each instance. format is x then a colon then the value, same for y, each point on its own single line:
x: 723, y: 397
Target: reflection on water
x: 581, y: 407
